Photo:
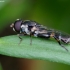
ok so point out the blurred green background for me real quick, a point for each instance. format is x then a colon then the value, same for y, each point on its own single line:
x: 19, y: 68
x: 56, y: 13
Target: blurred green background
x: 51, y: 13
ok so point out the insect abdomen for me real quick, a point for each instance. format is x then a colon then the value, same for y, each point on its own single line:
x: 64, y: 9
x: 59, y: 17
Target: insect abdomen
x: 43, y: 35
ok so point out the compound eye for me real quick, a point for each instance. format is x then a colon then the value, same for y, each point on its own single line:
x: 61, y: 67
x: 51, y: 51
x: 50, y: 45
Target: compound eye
x: 17, y: 25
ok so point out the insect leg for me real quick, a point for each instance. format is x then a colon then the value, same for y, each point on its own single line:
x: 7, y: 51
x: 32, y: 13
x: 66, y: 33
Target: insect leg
x: 60, y: 43
x: 64, y: 41
x: 30, y: 38
x: 19, y: 35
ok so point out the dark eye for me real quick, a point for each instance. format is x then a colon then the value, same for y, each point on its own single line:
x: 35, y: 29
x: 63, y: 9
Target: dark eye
x: 17, y: 25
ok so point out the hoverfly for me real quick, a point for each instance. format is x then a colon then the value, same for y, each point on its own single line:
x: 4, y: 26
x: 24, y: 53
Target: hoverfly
x: 28, y: 27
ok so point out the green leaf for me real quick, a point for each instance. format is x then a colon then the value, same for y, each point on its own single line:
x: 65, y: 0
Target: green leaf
x: 40, y: 49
